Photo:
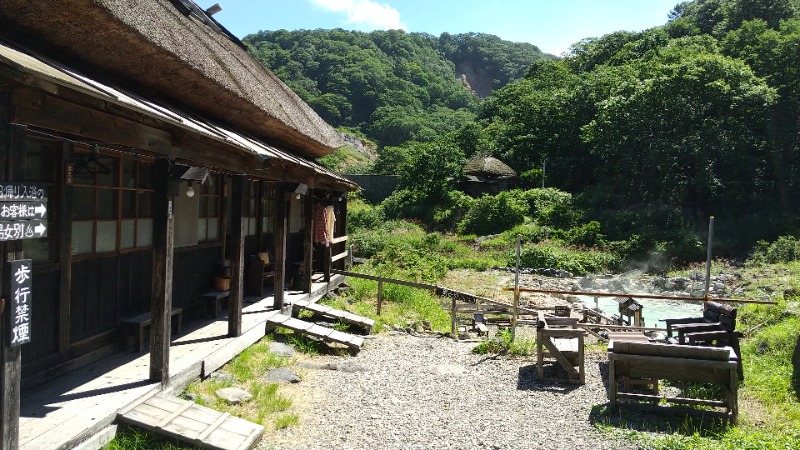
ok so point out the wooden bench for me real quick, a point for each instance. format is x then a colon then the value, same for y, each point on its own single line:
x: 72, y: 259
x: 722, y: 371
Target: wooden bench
x: 213, y: 302
x: 560, y: 339
x: 645, y: 360
x: 482, y: 315
x: 258, y: 272
x: 139, y: 323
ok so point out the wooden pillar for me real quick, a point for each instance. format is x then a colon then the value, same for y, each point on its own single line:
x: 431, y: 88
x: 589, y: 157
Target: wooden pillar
x: 308, y: 241
x: 163, y: 248
x: 282, y: 199
x: 12, y: 158
x: 223, y: 218
x: 64, y: 180
x: 237, y: 256
x: 342, y: 221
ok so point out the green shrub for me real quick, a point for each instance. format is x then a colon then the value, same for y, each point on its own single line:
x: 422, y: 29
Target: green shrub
x: 785, y: 249
x: 587, y: 234
x: 494, y: 214
x: 577, y: 261
x: 362, y: 216
x: 541, y: 201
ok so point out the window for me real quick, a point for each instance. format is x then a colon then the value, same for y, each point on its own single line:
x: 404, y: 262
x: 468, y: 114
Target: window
x: 112, y: 200
x: 208, y: 223
x: 249, y: 214
x: 268, y: 208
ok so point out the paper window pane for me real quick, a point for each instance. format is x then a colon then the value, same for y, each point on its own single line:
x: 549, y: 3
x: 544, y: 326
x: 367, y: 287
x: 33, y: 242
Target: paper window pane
x: 213, y: 229
x: 144, y: 233
x: 201, y: 230
x: 251, y: 226
x: 82, y: 237
x: 106, y: 236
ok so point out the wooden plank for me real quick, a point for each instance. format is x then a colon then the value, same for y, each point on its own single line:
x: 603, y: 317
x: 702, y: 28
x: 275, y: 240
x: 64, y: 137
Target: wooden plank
x: 339, y: 239
x: 682, y: 400
x: 237, y: 256
x: 213, y: 426
x: 178, y: 411
x: 335, y: 258
x: 672, y: 351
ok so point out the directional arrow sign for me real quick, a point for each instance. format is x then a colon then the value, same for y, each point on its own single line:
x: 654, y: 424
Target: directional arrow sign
x: 29, y: 229
x: 23, y: 210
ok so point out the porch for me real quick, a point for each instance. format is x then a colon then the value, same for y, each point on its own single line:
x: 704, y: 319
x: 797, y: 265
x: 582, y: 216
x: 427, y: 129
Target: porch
x: 66, y: 411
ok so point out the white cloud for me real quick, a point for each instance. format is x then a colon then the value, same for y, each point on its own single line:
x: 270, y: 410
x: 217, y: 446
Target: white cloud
x: 364, y: 12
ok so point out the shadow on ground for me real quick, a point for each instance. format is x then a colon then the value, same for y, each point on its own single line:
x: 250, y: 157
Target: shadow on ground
x: 527, y: 380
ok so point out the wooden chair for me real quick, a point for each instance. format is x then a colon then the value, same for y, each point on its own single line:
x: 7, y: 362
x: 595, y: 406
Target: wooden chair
x: 716, y: 328
x: 560, y: 339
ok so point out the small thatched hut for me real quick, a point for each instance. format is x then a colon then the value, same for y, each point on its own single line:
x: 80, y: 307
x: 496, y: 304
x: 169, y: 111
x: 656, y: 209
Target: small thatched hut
x: 487, y: 175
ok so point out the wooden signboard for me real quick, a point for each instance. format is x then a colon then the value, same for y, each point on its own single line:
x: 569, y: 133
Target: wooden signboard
x: 23, y: 211
x: 19, y: 307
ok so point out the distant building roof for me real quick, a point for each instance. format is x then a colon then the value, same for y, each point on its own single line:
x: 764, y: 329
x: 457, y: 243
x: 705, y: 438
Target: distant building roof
x: 488, y: 166
x: 171, y: 51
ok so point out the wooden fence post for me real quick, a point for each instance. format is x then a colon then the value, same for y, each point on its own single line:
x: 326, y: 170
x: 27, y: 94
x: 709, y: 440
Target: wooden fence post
x: 380, y: 296
x: 453, y: 318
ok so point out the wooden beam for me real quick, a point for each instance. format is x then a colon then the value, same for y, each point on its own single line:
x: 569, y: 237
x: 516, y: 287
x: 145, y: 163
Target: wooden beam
x: 60, y: 115
x: 65, y: 190
x: 163, y: 248
x: 238, y: 187
x: 308, y: 240
x: 281, y: 209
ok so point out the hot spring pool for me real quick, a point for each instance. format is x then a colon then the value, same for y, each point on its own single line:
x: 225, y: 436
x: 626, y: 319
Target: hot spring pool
x: 652, y: 310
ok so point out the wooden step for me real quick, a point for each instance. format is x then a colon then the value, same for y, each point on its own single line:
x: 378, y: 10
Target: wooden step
x: 363, y: 322
x: 189, y: 422
x: 326, y: 334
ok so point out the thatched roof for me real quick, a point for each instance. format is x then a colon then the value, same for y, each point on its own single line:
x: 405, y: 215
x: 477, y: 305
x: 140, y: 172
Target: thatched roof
x: 54, y: 77
x: 172, y: 51
x: 488, y: 166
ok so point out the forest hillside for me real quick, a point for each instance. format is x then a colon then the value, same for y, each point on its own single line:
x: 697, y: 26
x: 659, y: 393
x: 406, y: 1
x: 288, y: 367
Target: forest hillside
x: 649, y: 133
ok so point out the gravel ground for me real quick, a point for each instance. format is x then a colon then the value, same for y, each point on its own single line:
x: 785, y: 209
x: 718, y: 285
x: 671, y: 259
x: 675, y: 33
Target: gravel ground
x: 423, y: 392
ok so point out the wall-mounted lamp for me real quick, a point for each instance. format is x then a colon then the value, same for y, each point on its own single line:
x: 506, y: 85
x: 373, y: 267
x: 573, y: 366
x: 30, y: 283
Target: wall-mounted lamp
x: 190, y: 190
x: 301, y: 189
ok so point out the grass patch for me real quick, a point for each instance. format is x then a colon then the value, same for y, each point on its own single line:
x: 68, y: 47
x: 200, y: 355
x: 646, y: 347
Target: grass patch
x: 402, y: 305
x: 286, y: 421
x: 502, y: 344
x: 248, y: 368
x: 133, y: 438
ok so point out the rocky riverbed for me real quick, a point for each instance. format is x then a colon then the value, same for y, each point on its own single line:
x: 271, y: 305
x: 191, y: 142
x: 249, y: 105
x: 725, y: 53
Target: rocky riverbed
x: 423, y: 391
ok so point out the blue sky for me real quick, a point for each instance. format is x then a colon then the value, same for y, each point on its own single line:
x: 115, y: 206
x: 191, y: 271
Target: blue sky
x: 552, y: 25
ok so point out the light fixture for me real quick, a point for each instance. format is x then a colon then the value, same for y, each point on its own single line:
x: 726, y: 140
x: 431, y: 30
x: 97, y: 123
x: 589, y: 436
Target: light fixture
x: 213, y: 9
x: 301, y: 189
x: 190, y: 190
x: 297, y: 196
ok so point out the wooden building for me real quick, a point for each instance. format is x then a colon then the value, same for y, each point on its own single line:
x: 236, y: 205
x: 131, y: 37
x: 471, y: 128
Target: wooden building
x: 487, y: 175
x: 164, y: 149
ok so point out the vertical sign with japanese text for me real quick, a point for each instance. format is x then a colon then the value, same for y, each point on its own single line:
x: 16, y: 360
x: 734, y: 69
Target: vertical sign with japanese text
x: 19, y: 305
